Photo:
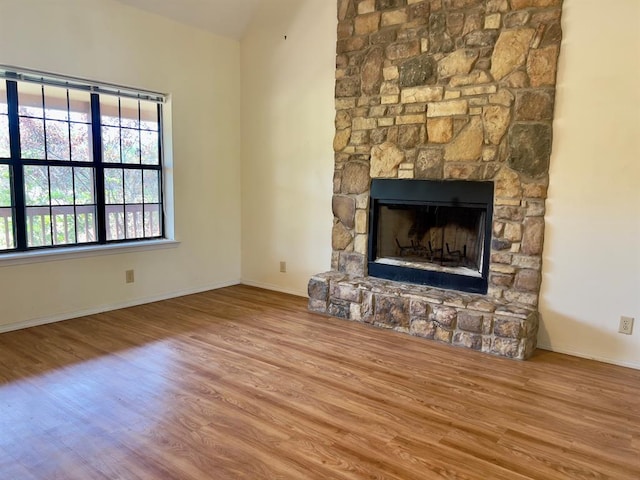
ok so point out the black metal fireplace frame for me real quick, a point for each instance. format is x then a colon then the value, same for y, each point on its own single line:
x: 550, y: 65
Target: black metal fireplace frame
x: 452, y: 193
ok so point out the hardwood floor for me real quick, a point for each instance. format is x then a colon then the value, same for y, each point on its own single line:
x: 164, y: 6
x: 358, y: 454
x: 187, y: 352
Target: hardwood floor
x: 242, y: 383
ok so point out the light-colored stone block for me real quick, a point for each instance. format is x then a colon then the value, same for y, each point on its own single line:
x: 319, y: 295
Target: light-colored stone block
x: 362, y: 123
x: 394, y: 17
x: 389, y: 99
x: 360, y: 244
x: 389, y: 88
x: 467, y: 146
x: 366, y: 24
x: 361, y: 221
x: 479, y: 90
x: 390, y: 73
x: 411, y: 119
x: 541, y: 66
x: 459, y: 62
x: 440, y: 130
x: 448, y: 108
x: 493, y: 21
x: 421, y: 94
x: 366, y: 6
x: 385, y: 159
x: 510, y: 51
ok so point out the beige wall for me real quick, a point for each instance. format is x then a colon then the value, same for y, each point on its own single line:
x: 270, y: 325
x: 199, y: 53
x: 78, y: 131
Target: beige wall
x: 107, y: 41
x: 591, y: 272
x: 287, y: 138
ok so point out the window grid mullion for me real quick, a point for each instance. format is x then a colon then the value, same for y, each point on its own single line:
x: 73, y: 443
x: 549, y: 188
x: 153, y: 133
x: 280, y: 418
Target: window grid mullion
x: 96, y: 135
x: 17, y: 169
x: 51, y: 221
x: 75, y: 205
x: 44, y: 130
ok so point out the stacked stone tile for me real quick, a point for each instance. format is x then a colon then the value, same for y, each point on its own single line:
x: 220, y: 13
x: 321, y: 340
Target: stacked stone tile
x: 445, y: 89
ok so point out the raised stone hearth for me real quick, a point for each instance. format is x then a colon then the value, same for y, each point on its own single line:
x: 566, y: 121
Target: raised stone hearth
x: 465, y: 320
x: 445, y: 90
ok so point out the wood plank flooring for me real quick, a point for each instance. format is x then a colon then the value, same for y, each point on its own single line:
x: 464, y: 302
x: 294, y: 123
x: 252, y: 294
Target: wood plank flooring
x: 242, y: 383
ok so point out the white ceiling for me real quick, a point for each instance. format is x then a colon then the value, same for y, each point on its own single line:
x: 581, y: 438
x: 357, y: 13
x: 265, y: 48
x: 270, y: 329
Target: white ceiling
x: 228, y: 18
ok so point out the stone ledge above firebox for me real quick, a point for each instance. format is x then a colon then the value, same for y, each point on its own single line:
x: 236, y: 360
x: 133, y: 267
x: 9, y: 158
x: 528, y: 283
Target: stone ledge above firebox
x: 473, y: 321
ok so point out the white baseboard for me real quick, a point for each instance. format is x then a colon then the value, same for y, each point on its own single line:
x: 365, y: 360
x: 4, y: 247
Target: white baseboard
x: 275, y: 288
x: 575, y: 353
x: 114, y: 306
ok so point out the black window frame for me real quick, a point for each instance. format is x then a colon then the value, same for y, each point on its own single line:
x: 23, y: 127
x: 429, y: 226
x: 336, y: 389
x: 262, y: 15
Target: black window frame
x: 17, y: 164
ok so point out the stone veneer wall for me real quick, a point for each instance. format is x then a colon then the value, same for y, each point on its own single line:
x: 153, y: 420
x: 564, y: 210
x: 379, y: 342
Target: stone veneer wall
x: 445, y: 89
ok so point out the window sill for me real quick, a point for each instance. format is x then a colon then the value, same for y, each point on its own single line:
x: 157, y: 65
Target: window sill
x: 55, y: 255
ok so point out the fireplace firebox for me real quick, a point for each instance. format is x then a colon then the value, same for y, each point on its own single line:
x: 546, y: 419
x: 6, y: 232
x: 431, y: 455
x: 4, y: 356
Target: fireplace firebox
x: 435, y: 233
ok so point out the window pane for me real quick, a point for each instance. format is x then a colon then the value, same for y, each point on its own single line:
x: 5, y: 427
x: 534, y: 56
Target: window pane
x: 5, y: 186
x: 3, y: 97
x: 109, y: 110
x: 148, y: 115
x: 132, y: 186
x: 64, y: 225
x: 55, y: 103
x: 149, y: 145
x: 32, y: 138
x: 152, y: 224
x: 151, y: 186
x: 135, y: 221
x: 30, y: 100
x: 84, y: 186
x: 79, y: 106
x: 61, y: 185
x: 113, y: 186
x: 86, y: 223
x: 57, y: 140
x: 110, y: 144
x: 4, y: 124
x: 6, y: 229
x: 38, y: 226
x: 129, y: 115
x: 81, y: 142
x: 115, y: 222
x: 6, y: 212
x: 36, y: 185
x: 5, y: 151
x: 130, y: 145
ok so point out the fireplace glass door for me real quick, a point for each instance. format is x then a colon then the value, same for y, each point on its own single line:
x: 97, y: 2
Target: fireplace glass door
x: 431, y: 232
x: 432, y: 237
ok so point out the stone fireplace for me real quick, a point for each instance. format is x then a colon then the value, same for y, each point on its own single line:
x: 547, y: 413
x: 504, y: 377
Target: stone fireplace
x: 437, y: 96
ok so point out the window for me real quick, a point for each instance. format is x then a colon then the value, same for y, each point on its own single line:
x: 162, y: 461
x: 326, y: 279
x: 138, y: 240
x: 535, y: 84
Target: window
x: 79, y: 163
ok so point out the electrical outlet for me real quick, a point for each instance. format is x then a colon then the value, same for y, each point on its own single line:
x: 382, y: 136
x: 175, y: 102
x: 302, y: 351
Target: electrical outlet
x: 283, y: 267
x: 626, y: 325
x: 129, y: 278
